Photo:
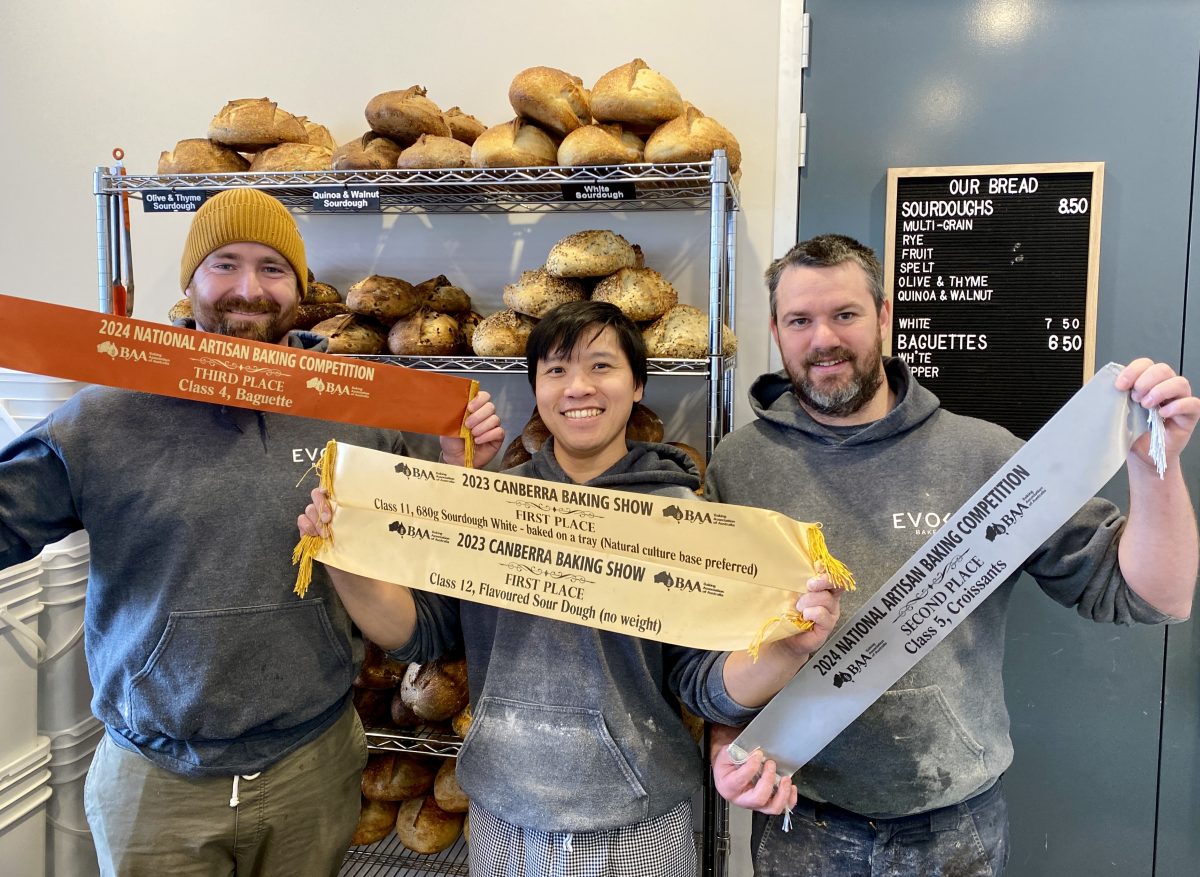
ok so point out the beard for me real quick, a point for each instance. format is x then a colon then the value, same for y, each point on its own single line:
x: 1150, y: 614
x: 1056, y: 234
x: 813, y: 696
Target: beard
x: 838, y: 398
x: 222, y: 321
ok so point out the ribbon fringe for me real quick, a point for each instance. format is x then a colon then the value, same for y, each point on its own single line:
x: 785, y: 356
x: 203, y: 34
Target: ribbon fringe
x: 309, y: 546
x: 1158, y: 441
x: 837, y: 571
x: 465, y: 434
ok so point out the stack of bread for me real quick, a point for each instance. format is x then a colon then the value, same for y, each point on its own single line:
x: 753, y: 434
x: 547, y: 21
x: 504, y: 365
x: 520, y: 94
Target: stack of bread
x: 416, y: 796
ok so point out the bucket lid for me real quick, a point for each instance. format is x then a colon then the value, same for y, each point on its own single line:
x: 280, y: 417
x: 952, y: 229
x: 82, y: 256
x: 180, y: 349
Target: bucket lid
x: 37, y: 756
x: 72, y: 547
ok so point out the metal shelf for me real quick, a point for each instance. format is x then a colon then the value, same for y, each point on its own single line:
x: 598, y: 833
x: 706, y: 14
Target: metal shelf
x: 516, y: 364
x: 422, y: 740
x: 390, y: 858
x: 464, y: 190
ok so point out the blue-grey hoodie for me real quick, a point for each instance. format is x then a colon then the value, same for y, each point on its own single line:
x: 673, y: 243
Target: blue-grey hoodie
x: 573, y: 728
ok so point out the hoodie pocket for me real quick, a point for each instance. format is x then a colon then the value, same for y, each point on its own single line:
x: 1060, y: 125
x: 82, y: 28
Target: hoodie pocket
x: 555, y: 768
x: 221, y: 674
x: 907, y: 753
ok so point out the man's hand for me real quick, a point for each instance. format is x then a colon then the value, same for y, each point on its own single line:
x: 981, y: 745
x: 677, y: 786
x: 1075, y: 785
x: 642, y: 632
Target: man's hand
x: 1155, y: 385
x: 317, y: 515
x: 484, y: 424
x: 754, y: 784
x: 822, y: 605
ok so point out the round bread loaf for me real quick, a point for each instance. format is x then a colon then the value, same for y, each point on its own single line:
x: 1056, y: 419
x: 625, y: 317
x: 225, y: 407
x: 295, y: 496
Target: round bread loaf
x: 503, y: 333
x: 461, y: 723
x: 396, y: 776
x: 593, y: 253
x: 600, y: 144
x: 468, y: 322
x: 405, y: 115
x: 436, y: 690
x: 641, y: 293
x: 424, y: 827
x: 463, y: 126
x: 692, y: 137
x: 697, y: 458
x: 538, y: 292
x: 309, y: 314
x: 644, y: 425
x: 376, y: 819
x: 181, y: 312
x: 514, y: 455
x: 317, y: 135
x: 534, y: 433
x: 636, y: 94
x: 401, y: 713
x: 318, y: 292
x: 551, y: 97
x: 374, y: 706
x: 201, y: 156
x: 682, y: 333
x: 377, y: 669
x: 514, y: 144
x: 251, y: 124
x: 383, y: 298
x: 351, y: 334
x: 432, y: 151
x: 292, y: 157
x: 443, y: 296
x: 425, y: 333
x: 446, y: 791
x: 370, y: 152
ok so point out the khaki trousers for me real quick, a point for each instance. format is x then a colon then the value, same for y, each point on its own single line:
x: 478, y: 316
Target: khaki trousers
x: 294, y: 819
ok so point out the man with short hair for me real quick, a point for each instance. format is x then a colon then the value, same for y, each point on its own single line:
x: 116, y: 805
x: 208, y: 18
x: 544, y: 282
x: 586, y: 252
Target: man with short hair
x: 231, y: 744
x: 577, y: 761
x: 847, y: 437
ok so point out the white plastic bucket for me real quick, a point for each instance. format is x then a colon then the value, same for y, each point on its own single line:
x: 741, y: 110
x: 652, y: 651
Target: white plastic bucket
x: 21, y: 649
x: 22, y: 385
x: 64, y: 688
x: 30, y: 407
x: 67, y: 552
x: 24, y: 793
x: 70, y: 851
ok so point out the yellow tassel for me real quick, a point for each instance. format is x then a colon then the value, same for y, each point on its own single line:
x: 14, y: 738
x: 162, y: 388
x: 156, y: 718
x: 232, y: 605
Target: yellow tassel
x: 834, y: 568
x: 802, y: 624
x: 465, y: 434
x: 308, y: 546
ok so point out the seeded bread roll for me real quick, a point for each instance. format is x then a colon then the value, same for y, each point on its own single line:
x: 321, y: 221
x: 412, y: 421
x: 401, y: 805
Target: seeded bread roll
x: 468, y: 323
x: 386, y: 299
x: 514, y: 144
x: 436, y: 690
x: 641, y: 293
x: 318, y: 292
x: 201, y: 156
x: 446, y: 791
x: 424, y: 827
x: 370, y: 152
x: 309, y: 314
x: 425, y: 333
x: 600, y: 144
x: 692, y: 137
x: 443, y: 296
x: 432, y: 151
x: 682, y: 333
x: 503, y: 333
x: 351, y: 333
x: 251, y: 124
x: 636, y: 94
x: 592, y: 253
x: 180, y: 312
x: 538, y: 292
x: 463, y: 126
x: 292, y: 157
x: 405, y: 115
x: 395, y: 776
x: 376, y: 819
x: 551, y: 97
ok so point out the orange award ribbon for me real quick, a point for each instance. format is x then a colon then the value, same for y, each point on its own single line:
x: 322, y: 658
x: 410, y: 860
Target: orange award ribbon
x: 118, y: 351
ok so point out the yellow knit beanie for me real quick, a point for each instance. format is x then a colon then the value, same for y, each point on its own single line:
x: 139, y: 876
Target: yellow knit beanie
x: 237, y: 215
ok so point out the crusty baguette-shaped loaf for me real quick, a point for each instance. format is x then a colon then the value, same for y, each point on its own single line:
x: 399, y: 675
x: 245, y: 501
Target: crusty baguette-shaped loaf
x: 692, y: 136
x: 201, y: 156
x: 538, y: 292
x: 595, y: 252
x: 424, y: 827
x: 446, y: 791
x: 309, y: 314
x: 396, y: 776
x: 383, y: 298
x: 641, y: 293
x: 318, y: 135
x: 600, y: 144
x: 292, y: 157
x: 635, y: 94
x: 425, y: 333
x: 553, y: 98
x: 436, y: 690
x: 251, y: 124
x: 405, y: 115
x: 463, y: 126
x: 682, y: 333
x: 351, y: 333
x: 503, y: 333
x: 370, y: 152
x: 514, y: 144
x: 432, y: 151
x: 376, y: 819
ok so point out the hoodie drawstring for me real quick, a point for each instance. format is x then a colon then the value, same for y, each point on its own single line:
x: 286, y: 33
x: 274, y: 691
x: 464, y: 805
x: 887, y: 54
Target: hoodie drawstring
x: 234, y: 800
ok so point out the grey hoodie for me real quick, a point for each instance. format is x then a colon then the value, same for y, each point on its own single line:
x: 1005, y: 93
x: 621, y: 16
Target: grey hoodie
x: 941, y: 734
x: 573, y: 729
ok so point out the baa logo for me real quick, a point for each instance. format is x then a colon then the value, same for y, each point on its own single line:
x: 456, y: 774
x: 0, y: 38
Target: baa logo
x: 316, y: 384
x: 403, y: 469
x: 665, y: 578
x: 107, y: 347
x: 673, y: 511
x: 686, y: 514
x: 994, y: 530
x: 669, y: 581
x: 840, y: 679
x: 401, y: 530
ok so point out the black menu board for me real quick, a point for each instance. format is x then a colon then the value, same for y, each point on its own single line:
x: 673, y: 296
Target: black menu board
x: 992, y: 273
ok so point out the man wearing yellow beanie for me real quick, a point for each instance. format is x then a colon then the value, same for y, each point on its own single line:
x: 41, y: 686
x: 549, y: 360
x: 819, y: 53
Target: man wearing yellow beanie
x: 232, y: 746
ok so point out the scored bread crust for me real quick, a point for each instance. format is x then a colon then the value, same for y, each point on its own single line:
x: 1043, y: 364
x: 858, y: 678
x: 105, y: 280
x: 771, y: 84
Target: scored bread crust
x: 600, y: 144
x: 434, y: 151
x: 370, y: 152
x: 463, y: 126
x: 552, y: 97
x: 636, y: 94
x: 201, y: 156
x: 692, y: 137
x: 405, y: 115
x: 292, y: 157
x: 516, y: 143
x: 253, y: 123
